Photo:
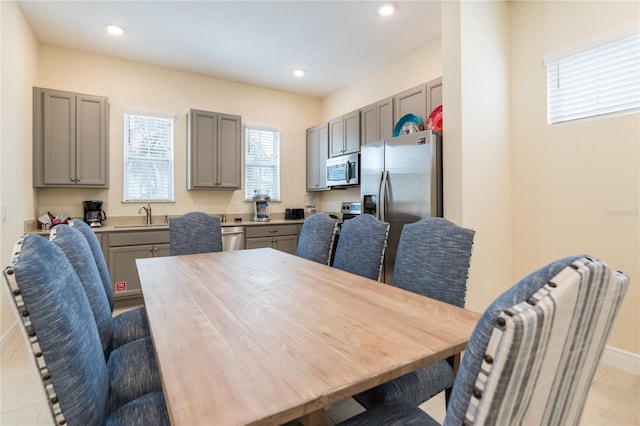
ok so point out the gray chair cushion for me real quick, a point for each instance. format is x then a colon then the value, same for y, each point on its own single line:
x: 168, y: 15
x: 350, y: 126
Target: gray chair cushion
x: 57, y: 320
x: 149, y: 409
x: 361, y: 246
x: 129, y: 325
x: 535, y: 351
x: 77, y: 250
x: 133, y: 372
x: 56, y: 314
x: 98, y: 256
x: 194, y: 232
x: 397, y: 413
x: 433, y: 259
x: 474, y: 354
x: 317, y: 237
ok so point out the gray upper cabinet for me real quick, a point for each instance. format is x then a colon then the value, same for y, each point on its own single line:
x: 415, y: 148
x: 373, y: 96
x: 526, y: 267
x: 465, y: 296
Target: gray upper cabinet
x: 70, y: 140
x: 376, y: 121
x: 317, y: 150
x: 344, y: 134
x: 412, y: 101
x: 434, y: 95
x: 214, y: 150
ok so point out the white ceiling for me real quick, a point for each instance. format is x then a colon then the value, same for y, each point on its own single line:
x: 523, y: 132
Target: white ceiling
x: 256, y: 42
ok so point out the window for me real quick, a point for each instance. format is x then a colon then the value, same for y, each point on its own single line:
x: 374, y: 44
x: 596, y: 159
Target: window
x: 262, y: 163
x: 148, y: 158
x: 598, y: 78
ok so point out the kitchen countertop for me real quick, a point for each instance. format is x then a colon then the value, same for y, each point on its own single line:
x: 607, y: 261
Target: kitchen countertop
x: 132, y: 223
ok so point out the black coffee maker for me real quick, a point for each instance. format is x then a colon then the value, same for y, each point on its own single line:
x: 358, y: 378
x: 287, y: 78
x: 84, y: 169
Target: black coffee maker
x: 93, y: 213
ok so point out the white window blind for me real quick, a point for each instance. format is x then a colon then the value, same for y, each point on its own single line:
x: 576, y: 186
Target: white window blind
x: 148, y: 158
x: 597, y: 81
x: 262, y: 163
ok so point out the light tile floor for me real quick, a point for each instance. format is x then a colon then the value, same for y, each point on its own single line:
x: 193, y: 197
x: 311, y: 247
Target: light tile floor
x: 614, y: 398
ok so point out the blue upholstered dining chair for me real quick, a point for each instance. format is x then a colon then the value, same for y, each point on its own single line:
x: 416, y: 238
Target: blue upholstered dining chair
x: 317, y: 237
x: 129, y: 325
x: 194, y: 232
x: 433, y: 259
x: 81, y: 387
x: 533, y: 354
x: 361, y: 246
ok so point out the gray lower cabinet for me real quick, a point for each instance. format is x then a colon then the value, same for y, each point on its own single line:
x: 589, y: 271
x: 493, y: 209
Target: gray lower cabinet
x: 123, y: 248
x: 279, y: 237
x: 317, y: 152
x: 376, y: 121
x: 213, y: 150
x: 70, y: 139
x: 344, y: 134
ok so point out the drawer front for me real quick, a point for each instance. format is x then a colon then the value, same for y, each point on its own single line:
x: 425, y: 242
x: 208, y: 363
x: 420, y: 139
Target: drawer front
x: 138, y: 238
x: 270, y: 231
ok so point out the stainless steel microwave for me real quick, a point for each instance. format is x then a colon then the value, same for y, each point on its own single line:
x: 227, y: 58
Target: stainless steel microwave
x: 343, y: 170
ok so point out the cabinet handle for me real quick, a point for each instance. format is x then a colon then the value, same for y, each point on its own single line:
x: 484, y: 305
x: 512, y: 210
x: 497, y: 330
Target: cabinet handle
x: 273, y: 231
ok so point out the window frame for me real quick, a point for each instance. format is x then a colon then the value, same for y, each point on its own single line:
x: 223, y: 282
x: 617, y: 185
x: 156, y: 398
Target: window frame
x: 597, y: 78
x: 277, y: 169
x: 125, y: 133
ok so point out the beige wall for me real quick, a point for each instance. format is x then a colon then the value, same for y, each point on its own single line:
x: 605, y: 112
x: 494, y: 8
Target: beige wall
x: 18, y: 73
x: 575, y: 185
x: 131, y: 85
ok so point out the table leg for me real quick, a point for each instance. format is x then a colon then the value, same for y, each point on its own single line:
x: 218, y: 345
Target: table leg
x: 454, y: 361
x: 313, y: 419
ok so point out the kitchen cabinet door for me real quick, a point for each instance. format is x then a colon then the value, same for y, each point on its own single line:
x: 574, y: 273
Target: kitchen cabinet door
x: 376, y: 121
x: 214, y: 150
x: 70, y: 142
x: 434, y: 95
x: 344, y: 134
x: 412, y: 101
x: 288, y: 244
x: 317, y: 151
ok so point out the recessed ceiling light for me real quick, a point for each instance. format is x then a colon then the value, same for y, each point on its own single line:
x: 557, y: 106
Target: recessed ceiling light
x: 298, y: 73
x: 387, y: 9
x: 114, y: 29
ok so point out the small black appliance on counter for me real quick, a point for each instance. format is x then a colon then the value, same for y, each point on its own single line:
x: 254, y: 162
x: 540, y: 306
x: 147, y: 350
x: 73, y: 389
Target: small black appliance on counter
x: 93, y: 213
x: 294, y: 214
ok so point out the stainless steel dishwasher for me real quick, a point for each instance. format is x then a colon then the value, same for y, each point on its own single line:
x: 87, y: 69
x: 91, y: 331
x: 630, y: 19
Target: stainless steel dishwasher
x: 232, y: 238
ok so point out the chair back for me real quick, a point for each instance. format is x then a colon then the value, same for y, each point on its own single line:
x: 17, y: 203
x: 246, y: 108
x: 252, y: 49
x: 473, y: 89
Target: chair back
x: 56, y: 318
x: 433, y: 259
x: 317, y: 237
x: 534, y: 352
x: 76, y: 248
x: 361, y: 246
x: 98, y: 256
x: 194, y: 232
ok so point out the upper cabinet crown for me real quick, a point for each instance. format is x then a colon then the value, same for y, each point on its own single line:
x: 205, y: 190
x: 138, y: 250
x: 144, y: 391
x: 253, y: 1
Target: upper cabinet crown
x: 214, y: 155
x: 344, y: 134
x: 70, y: 139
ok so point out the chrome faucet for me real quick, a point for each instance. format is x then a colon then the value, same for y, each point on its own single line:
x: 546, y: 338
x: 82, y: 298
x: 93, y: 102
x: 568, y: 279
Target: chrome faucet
x: 147, y: 210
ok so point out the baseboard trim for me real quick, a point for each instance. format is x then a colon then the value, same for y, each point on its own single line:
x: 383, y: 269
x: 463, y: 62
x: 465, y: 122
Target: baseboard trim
x: 621, y: 359
x: 8, y: 337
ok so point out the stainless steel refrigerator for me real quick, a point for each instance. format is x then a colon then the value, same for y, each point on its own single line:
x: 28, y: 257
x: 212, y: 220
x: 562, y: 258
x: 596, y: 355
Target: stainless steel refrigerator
x: 400, y: 183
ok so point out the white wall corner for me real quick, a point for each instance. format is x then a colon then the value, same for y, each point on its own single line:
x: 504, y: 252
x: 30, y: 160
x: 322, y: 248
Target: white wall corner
x: 621, y: 359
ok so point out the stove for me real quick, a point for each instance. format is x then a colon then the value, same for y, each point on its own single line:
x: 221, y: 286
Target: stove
x: 350, y: 210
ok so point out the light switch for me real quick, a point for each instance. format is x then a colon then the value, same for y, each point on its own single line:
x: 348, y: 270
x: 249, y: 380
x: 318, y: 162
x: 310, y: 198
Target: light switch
x: 4, y: 213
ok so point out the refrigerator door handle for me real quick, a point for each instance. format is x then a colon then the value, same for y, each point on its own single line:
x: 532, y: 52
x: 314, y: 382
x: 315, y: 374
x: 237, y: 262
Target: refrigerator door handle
x: 382, y: 196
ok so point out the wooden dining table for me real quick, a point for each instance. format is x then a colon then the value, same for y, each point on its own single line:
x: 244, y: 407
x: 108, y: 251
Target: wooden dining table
x: 265, y: 337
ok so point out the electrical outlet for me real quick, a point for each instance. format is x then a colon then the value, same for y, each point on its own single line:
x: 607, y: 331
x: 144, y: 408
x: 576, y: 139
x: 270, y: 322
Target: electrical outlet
x: 198, y: 207
x: 4, y: 213
x: 237, y: 207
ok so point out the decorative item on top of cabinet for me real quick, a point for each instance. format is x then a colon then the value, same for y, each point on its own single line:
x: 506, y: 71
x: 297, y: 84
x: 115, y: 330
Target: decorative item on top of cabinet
x: 70, y: 139
x: 279, y: 237
x: 213, y: 150
x: 317, y: 152
x: 376, y: 121
x: 344, y: 134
